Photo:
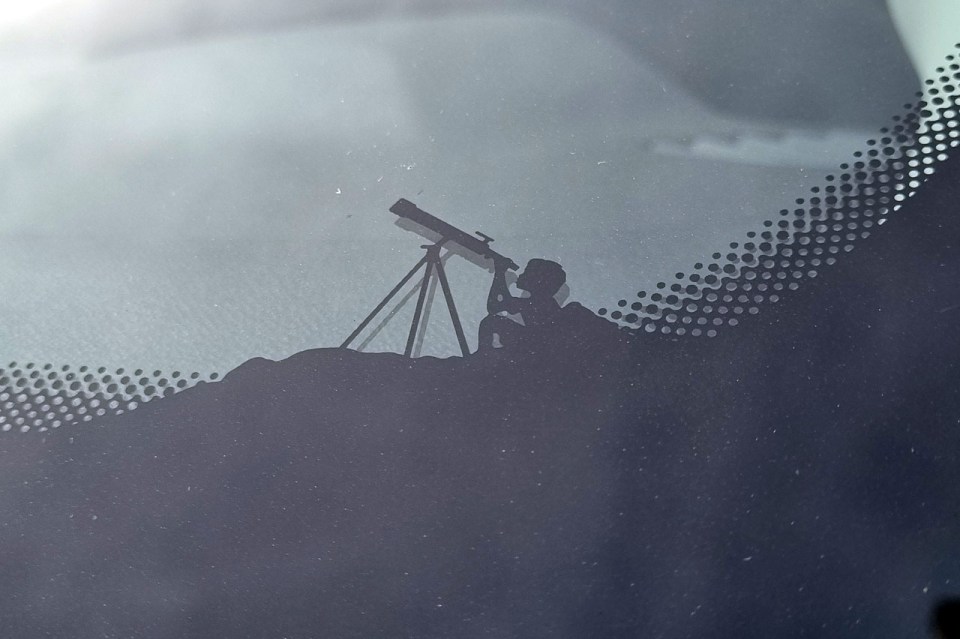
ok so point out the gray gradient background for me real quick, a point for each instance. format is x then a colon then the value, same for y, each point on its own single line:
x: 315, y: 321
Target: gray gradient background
x: 188, y: 185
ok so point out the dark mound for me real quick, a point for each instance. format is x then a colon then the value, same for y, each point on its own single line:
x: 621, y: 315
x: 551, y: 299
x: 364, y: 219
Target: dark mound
x: 795, y: 477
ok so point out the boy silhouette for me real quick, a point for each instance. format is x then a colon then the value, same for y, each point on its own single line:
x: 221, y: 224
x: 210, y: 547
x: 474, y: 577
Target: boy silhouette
x: 538, y: 311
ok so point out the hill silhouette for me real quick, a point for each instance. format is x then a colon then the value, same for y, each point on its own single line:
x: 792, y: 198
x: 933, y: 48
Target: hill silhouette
x: 796, y: 476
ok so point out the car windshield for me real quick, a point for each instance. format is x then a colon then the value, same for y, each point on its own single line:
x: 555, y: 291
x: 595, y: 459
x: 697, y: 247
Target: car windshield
x: 189, y: 167
x: 187, y: 187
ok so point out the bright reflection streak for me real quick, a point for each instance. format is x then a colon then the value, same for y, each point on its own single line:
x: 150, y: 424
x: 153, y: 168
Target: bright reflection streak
x: 19, y: 12
x: 929, y: 30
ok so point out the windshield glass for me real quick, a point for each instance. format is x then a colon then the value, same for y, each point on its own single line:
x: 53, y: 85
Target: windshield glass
x: 438, y: 318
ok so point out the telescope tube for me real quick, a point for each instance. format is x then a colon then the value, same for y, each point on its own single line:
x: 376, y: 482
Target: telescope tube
x: 447, y: 232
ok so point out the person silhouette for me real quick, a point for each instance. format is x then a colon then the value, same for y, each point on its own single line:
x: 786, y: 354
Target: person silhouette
x: 538, y: 311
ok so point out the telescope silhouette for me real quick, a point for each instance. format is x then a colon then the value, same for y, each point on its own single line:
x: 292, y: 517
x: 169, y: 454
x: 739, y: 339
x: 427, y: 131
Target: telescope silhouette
x: 474, y: 248
x: 436, y: 230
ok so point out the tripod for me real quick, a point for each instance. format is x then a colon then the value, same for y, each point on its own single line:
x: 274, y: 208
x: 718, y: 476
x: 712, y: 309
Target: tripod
x: 432, y: 263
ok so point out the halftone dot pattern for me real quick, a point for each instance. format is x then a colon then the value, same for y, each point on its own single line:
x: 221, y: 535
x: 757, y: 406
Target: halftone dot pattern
x: 43, y: 397
x: 811, y: 235
x: 815, y: 231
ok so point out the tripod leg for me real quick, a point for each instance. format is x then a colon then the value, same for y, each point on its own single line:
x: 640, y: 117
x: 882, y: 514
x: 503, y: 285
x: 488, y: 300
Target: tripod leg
x: 454, y: 317
x: 424, y: 285
x: 428, y: 308
x: 385, y: 301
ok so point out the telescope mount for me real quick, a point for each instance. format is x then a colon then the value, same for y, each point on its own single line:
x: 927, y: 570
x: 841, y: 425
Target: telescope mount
x: 432, y: 264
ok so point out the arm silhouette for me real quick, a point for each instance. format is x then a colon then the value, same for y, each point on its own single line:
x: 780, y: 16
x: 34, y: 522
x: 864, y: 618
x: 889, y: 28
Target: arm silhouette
x: 500, y: 299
